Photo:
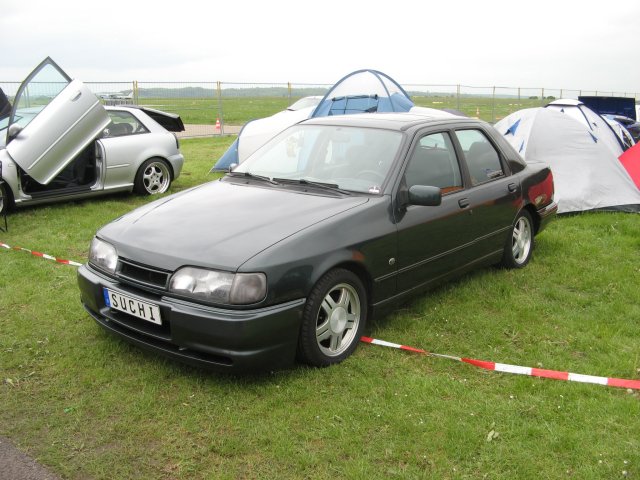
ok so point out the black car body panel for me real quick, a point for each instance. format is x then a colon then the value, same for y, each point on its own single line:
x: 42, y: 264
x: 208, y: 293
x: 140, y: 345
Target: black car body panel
x: 294, y: 233
x: 170, y: 121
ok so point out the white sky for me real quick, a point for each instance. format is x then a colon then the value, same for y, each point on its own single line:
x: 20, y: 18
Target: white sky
x: 584, y: 45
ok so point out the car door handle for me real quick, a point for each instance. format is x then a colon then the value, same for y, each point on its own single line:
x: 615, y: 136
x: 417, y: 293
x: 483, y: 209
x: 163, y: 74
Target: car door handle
x: 512, y: 187
x: 76, y: 96
x: 463, y: 202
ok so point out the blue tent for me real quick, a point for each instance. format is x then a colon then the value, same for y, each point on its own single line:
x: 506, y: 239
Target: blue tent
x: 364, y: 91
x: 359, y: 92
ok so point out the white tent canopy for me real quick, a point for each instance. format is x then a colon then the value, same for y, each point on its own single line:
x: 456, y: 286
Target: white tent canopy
x: 590, y: 119
x: 586, y: 173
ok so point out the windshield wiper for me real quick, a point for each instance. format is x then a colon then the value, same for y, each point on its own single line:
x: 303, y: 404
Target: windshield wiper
x: 324, y: 186
x: 252, y: 176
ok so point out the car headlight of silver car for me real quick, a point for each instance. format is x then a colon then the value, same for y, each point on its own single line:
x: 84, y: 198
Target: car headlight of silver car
x: 103, y: 255
x: 219, y: 287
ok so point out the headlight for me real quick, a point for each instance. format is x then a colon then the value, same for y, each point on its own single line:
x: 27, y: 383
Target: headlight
x: 219, y: 287
x: 103, y: 255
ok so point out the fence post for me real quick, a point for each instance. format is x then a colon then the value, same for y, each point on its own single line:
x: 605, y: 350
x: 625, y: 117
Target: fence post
x: 458, y: 97
x: 542, y: 97
x: 135, y: 92
x: 493, y: 105
x: 219, y: 90
x: 289, y: 89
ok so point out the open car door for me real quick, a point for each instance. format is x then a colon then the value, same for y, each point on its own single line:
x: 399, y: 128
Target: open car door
x: 52, y: 120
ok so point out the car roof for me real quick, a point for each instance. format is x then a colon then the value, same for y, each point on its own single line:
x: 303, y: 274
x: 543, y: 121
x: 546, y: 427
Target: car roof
x: 388, y: 121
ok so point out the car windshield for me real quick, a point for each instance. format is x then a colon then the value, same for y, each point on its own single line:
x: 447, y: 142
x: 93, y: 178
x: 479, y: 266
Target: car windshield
x: 351, y: 158
x: 305, y: 102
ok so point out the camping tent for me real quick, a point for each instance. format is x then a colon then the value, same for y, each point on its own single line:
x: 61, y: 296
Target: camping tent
x: 587, y: 175
x: 630, y: 159
x: 359, y: 92
x: 592, y: 120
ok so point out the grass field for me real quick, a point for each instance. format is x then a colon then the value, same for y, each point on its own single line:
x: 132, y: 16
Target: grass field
x: 240, y: 110
x: 88, y: 405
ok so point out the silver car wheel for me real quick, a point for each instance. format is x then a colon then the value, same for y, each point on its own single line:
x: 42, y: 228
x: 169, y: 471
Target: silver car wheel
x: 338, y: 320
x: 156, y: 177
x: 521, y: 240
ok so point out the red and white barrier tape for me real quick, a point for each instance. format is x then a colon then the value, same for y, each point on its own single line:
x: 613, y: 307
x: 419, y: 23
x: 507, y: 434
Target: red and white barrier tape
x: 498, y: 367
x: 41, y: 255
x: 503, y: 367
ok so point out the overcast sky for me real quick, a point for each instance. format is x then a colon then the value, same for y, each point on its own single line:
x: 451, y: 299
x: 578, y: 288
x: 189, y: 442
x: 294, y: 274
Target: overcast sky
x: 584, y: 45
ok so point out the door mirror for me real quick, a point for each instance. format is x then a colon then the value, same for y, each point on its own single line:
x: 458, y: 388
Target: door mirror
x: 13, y: 132
x: 425, y: 196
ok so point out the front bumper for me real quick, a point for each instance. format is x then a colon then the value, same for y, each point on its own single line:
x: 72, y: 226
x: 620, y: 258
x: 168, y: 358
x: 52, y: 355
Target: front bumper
x: 210, y: 337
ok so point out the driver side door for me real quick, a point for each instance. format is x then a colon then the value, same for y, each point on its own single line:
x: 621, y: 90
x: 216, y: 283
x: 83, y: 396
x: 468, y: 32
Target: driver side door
x: 53, y: 119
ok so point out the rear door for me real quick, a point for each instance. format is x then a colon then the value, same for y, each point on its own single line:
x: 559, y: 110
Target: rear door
x: 58, y: 118
x: 494, y: 195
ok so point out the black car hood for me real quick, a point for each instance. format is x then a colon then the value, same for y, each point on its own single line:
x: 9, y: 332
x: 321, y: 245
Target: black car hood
x: 218, y: 225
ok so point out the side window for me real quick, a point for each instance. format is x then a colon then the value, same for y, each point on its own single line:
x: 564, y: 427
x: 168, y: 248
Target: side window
x: 433, y: 163
x: 37, y: 92
x: 482, y: 158
x: 123, y: 123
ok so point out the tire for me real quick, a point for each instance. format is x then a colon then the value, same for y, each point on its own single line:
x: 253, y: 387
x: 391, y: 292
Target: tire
x: 6, y: 200
x: 519, y: 245
x: 153, y: 177
x: 333, y: 319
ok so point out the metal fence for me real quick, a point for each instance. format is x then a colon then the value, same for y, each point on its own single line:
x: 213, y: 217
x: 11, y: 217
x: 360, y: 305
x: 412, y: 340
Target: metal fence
x: 220, y: 108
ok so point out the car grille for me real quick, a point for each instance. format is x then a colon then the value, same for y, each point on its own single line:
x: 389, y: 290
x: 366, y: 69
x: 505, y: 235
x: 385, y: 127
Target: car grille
x: 142, y: 274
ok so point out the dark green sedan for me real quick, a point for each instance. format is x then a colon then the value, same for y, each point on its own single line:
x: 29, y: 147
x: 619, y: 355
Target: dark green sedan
x: 289, y: 254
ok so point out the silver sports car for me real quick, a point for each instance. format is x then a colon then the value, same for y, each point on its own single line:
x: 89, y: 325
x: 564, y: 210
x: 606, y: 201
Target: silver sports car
x: 57, y: 142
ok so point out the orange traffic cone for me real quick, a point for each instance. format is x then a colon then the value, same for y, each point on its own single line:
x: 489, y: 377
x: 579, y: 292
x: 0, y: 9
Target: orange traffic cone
x: 218, y: 124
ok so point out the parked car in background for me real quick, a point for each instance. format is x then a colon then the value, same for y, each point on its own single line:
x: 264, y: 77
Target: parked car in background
x: 289, y: 254
x: 631, y: 125
x: 60, y: 143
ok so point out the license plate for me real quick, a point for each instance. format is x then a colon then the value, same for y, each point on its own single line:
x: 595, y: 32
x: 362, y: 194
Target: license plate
x: 133, y: 306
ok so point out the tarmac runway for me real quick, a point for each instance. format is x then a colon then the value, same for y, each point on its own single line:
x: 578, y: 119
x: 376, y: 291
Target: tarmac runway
x: 194, y: 131
x: 15, y: 465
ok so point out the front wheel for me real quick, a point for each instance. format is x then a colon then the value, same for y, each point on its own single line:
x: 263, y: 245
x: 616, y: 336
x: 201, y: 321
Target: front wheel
x: 154, y: 176
x: 519, y: 245
x: 333, y: 319
x: 5, y: 198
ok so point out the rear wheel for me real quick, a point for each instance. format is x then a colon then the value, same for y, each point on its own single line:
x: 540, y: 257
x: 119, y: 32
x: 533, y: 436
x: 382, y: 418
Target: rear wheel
x: 519, y: 245
x: 154, y: 176
x: 333, y: 319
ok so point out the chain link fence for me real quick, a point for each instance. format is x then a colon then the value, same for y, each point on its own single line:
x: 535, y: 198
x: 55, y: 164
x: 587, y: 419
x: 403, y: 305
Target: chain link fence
x: 222, y: 108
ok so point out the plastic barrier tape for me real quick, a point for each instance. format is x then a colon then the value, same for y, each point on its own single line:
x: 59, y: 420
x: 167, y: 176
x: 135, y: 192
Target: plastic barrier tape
x: 505, y: 368
x: 42, y: 255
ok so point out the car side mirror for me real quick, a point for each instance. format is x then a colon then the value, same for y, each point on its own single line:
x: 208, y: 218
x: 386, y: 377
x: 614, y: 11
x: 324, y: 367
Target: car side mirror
x: 232, y: 167
x: 425, y: 195
x: 13, y: 132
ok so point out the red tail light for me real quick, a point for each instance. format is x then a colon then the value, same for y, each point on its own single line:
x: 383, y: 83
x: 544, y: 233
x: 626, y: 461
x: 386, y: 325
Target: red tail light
x: 541, y: 193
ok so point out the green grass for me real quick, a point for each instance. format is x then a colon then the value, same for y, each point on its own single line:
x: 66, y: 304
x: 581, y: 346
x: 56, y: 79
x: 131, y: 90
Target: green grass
x: 205, y: 111
x: 88, y: 405
x: 240, y: 110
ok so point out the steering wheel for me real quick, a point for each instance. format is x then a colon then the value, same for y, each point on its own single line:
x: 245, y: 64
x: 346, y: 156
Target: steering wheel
x: 371, y: 175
